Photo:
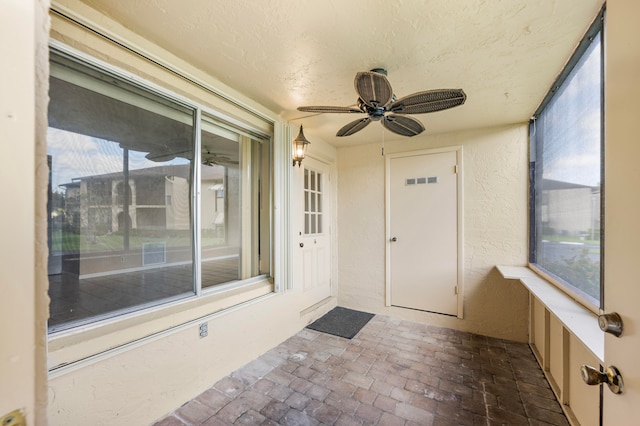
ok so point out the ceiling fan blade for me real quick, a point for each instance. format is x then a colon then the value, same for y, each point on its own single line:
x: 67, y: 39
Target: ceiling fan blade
x: 373, y: 88
x: 428, y: 101
x: 161, y: 156
x: 405, y: 126
x: 330, y: 109
x: 353, y: 127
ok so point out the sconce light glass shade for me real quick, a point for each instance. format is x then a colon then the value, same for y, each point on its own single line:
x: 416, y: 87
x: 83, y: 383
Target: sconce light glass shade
x: 299, y: 148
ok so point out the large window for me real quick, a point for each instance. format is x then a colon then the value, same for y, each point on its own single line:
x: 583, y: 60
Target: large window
x: 147, y: 204
x: 566, y: 172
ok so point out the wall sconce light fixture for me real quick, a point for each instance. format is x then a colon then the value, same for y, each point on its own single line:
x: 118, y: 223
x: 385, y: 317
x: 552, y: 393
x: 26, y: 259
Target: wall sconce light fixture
x: 299, y: 147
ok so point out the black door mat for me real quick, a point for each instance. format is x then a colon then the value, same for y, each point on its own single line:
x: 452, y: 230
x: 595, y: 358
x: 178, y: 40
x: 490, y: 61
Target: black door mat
x: 341, y: 322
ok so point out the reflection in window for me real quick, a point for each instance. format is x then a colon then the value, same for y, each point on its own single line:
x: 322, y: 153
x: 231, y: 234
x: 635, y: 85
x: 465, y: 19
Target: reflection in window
x: 117, y: 153
x: 123, y: 198
x: 234, y: 222
x: 220, y: 236
x: 567, y: 178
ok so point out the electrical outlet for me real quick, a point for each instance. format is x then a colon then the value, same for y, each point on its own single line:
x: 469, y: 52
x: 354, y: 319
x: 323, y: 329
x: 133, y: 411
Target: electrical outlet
x: 14, y: 418
x: 204, y: 329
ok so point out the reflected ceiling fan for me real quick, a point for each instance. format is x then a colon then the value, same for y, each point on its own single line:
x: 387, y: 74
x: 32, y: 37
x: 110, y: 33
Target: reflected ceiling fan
x: 377, y: 100
x: 213, y: 159
x: 208, y: 158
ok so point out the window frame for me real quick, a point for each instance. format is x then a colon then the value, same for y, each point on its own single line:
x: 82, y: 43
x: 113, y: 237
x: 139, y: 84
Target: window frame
x: 200, y: 296
x: 596, y: 28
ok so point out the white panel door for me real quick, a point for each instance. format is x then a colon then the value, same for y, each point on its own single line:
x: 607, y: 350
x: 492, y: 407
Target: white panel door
x: 423, y: 232
x: 315, y: 241
x: 622, y: 204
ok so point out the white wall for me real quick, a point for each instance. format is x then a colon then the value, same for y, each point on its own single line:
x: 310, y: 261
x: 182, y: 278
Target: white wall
x: 495, y: 228
x: 23, y: 29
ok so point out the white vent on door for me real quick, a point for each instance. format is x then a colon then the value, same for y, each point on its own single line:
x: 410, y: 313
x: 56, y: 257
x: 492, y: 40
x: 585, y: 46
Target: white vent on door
x: 421, y: 180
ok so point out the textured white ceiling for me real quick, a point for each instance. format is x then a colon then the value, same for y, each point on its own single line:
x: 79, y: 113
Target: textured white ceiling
x: 505, y: 54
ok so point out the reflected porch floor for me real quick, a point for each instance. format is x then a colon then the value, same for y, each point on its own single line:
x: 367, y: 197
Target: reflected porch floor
x: 74, y: 299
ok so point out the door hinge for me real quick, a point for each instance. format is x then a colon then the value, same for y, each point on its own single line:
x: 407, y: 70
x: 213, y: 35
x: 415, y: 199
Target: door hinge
x: 455, y: 290
x: 455, y: 169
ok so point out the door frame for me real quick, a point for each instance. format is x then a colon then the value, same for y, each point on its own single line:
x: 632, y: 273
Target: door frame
x: 460, y: 218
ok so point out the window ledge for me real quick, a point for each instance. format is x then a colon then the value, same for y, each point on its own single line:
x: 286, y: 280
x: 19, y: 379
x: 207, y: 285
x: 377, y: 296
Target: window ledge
x: 577, y: 319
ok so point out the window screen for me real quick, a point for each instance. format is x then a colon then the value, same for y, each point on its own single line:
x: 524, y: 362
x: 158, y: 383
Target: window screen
x: 131, y: 199
x: 566, y: 172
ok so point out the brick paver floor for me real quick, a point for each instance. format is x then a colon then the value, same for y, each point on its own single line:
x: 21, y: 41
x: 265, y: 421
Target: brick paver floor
x: 394, y: 372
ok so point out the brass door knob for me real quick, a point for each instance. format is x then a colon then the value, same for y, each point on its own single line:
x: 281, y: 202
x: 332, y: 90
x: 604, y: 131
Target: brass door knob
x: 611, y: 376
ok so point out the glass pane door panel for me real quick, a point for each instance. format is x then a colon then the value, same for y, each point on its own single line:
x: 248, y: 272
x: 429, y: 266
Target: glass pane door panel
x: 313, y: 202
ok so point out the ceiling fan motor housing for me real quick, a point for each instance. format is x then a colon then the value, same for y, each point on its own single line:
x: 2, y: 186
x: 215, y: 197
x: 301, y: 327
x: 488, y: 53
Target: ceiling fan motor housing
x: 376, y: 113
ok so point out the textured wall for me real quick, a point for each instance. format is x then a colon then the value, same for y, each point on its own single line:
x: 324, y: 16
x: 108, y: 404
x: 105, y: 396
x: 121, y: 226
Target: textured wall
x: 495, y: 228
x: 24, y: 27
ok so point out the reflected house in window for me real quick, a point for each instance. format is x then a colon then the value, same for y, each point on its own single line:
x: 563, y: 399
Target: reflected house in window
x: 570, y: 209
x: 157, y: 200
x: 98, y: 201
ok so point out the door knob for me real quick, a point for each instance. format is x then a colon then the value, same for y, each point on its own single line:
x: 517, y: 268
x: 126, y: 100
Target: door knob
x: 611, y: 377
x: 301, y: 244
x: 611, y: 323
x: 394, y: 239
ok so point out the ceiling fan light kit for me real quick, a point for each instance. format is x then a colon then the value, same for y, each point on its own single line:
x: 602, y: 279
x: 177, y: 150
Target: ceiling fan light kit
x: 377, y: 100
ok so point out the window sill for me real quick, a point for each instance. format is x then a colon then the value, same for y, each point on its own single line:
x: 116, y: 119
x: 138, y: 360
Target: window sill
x: 85, y: 345
x: 577, y: 319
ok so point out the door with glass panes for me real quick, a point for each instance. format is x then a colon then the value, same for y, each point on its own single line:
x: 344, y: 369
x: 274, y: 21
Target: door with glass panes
x: 315, y: 233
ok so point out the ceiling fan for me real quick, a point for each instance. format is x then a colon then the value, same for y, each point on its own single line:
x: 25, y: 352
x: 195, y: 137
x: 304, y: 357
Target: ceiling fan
x: 377, y: 100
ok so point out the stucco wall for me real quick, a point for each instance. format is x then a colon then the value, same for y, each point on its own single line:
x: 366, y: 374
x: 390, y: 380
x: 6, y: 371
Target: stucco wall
x: 495, y: 196
x: 24, y: 29
x: 151, y: 379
